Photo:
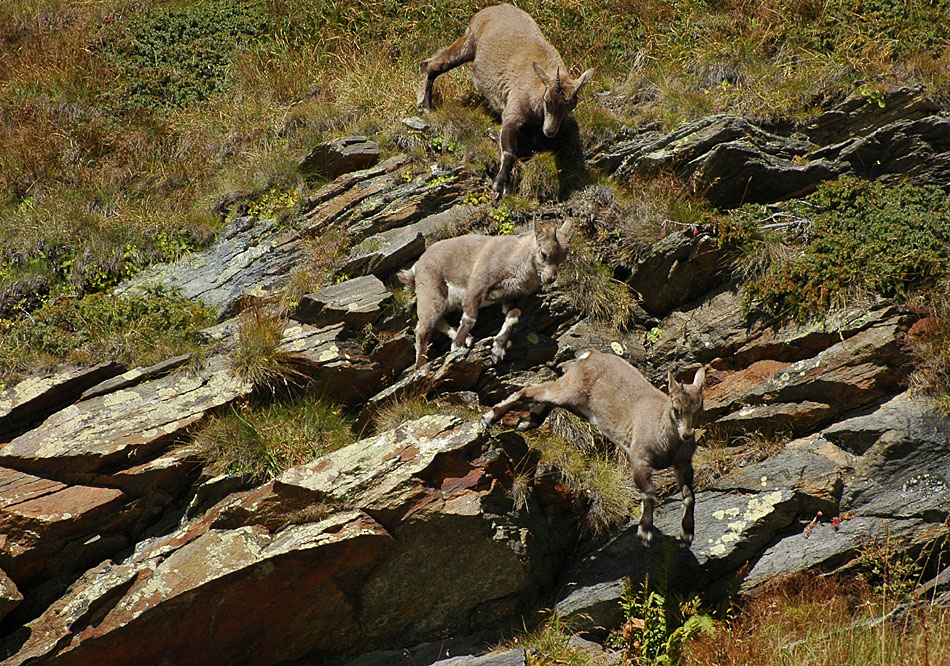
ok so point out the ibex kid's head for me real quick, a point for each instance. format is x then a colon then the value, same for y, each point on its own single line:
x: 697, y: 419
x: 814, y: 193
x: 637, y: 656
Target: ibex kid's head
x: 560, y: 96
x: 686, y: 403
x: 553, y: 243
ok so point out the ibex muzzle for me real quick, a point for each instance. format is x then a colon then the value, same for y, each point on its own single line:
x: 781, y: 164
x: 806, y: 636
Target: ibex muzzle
x: 468, y: 272
x: 518, y: 71
x: 656, y: 431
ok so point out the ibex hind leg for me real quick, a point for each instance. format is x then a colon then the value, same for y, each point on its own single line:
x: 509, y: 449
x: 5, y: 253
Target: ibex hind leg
x: 460, y: 51
x: 545, y: 397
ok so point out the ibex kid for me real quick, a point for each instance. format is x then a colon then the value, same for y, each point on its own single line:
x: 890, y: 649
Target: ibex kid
x: 468, y: 272
x: 653, y: 429
x: 516, y: 69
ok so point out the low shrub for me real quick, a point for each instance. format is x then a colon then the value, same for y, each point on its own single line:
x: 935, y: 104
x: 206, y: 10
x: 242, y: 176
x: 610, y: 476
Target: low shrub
x: 138, y: 329
x: 862, y: 237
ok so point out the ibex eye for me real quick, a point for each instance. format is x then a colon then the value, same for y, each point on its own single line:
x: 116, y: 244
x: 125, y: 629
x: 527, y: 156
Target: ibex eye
x: 544, y: 256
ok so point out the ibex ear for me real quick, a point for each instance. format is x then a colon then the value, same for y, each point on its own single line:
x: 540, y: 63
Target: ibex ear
x: 544, y: 76
x: 539, y: 230
x: 700, y: 378
x: 585, y: 77
x: 565, y: 233
x: 671, y: 382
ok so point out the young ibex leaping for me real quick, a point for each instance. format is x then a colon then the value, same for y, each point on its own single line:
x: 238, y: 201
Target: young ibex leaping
x: 518, y: 71
x: 468, y: 272
x: 653, y: 429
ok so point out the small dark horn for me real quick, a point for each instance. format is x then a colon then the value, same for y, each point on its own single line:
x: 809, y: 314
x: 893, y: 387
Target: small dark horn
x: 557, y: 81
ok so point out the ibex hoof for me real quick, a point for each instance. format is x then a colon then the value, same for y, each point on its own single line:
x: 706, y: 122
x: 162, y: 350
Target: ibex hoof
x: 497, y: 356
x: 688, y: 538
x: 488, y: 419
x: 525, y: 424
x: 646, y: 536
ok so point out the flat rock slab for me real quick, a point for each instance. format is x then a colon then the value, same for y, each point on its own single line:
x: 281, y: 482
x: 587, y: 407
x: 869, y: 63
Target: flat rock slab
x: 383, y: 253
x: 334, y: 158
x: 123, y: 428
x: 30, y: 401
x: 39, y: 518
x: 507, y: 658
x: 248, y: 255
x: 356, y: 303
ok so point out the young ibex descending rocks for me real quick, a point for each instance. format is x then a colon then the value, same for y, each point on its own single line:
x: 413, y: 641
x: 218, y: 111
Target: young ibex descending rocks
x: 653, y: 429
x: 470, y: 271
x: 518, y: 71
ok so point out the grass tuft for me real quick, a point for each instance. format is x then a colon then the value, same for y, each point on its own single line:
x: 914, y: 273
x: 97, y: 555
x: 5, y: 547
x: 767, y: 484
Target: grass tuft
x: 595, y: 473
x: 260, y: 442
x: 258, y: 358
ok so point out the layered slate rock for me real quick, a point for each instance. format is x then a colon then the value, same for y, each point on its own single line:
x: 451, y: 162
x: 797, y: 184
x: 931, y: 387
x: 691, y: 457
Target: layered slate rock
x: 895, y: 487
x: 356, y: 303
x: 340, y: 156
x: 50, y: 528
x: 248, y: 254
x: 30, y: 401
x: 122, y: 428
x: 731, y: 161
x: 793, y: 378
x: 390, y: 540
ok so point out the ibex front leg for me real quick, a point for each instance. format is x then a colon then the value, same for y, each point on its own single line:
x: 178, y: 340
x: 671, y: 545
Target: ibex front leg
x: 643, y: 476
x: 500, y: 345
x: 508, y: 142
x: 684, y: 480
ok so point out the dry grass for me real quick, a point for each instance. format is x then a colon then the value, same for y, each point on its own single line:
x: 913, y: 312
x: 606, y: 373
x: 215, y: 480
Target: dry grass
x: 930, y: 342
x: 808, y: 620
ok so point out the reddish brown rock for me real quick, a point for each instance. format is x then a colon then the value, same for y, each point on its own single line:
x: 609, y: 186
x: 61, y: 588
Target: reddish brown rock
x: 10, y: 596
x: 39, y: 519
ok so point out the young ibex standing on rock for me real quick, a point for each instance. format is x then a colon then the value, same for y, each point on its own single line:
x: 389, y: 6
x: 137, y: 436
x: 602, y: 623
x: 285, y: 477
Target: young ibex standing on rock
x: 518, y: 71
x: 470, y: 271
x: 653, y: 429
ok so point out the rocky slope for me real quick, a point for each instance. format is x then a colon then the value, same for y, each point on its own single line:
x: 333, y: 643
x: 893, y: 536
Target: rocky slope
x: 114, y: 546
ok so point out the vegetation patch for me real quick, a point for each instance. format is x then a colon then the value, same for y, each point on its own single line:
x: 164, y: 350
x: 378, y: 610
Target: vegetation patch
x: 931, y: 345
x: 814, y: 620
x: 138, y: 329
x: 261, y: 441
x: 259, y: 358
x: 860, y: 237
x: 177, y: 56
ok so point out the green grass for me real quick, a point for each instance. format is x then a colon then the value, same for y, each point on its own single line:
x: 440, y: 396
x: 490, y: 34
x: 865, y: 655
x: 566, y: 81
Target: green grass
x: 261, y: 441
x: 138, y: 330
x: 591, y: 469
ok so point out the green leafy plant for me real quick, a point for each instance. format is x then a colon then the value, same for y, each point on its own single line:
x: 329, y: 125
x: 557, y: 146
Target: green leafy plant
x: 659, y: 624
x: 178, y: 56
